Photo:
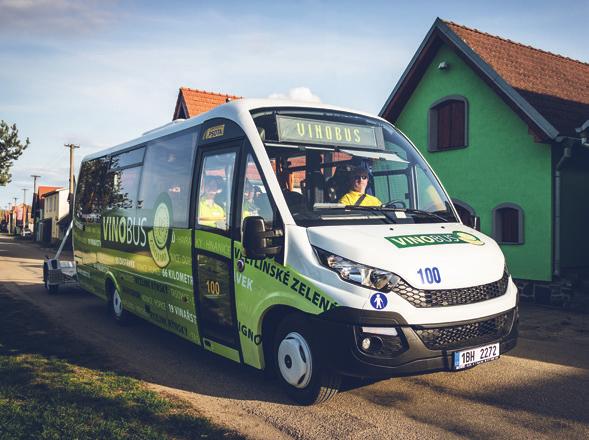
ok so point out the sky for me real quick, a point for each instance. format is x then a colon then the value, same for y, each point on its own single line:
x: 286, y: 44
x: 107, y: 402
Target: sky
x: 99, y: 73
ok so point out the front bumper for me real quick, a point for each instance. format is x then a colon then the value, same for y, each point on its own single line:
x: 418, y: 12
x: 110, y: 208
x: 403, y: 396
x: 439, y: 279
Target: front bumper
x: 414, y: 350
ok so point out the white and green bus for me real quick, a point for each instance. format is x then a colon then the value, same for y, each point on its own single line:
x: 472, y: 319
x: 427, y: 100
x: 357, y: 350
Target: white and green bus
x: 307, y: 239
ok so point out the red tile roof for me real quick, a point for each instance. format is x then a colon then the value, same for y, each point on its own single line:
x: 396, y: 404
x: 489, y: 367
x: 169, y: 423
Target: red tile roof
x: 192, y: 102
x: 557, y: 86
x: 42, y: 190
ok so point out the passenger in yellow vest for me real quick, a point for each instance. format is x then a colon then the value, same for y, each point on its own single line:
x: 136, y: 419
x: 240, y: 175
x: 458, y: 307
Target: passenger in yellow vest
x: 357, y: 196
x: 209, y: 212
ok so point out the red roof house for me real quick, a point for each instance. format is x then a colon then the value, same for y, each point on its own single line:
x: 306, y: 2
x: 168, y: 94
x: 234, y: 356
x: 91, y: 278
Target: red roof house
x: 192, y: 102
x: 505, y: 127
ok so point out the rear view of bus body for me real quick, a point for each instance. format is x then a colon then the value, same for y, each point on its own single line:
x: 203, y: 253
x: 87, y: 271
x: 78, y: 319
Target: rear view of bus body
x: 314, y: 241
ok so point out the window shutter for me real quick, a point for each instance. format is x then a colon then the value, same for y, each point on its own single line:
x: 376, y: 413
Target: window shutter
x: 448, y: 120
x: 457, y: 124
x: 444, y: 122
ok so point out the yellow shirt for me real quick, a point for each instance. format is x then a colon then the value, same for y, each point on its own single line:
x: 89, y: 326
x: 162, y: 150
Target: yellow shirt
x: 351, y: 197
x: 211, y: 214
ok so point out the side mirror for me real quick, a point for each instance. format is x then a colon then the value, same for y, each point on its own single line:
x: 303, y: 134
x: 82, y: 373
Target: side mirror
x: 257, y: 241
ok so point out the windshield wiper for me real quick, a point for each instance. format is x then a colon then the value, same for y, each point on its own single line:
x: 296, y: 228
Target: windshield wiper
x: 422, y: 212
x: 405, y: 210
x: 383, y: 209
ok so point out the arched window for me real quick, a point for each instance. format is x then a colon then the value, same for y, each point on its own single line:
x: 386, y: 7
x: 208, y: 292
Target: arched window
x: 508, y: 224
x: 448, y: 123
x: 466, y: 213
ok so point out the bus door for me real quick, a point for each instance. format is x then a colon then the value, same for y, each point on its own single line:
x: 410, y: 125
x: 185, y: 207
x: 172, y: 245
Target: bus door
x: 215, y: 182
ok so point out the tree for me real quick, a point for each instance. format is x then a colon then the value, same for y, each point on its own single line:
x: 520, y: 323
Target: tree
x: 11, y: 147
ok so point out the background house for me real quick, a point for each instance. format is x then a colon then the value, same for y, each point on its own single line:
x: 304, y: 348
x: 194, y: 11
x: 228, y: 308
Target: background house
x: 14, y: 219
x: 192, y: 102
x: 38, y: 206
x: 55, y: 208
x: 498, y: 122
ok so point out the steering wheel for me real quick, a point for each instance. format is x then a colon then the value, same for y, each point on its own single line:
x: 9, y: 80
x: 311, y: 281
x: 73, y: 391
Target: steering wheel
x: 395, y: 204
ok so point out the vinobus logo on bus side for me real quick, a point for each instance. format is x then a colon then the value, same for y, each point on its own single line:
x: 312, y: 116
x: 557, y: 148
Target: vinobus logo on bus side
x: 159, y: 237
x: 130, y: 234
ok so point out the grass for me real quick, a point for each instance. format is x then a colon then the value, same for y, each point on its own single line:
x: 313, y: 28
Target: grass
x: 52, y: 386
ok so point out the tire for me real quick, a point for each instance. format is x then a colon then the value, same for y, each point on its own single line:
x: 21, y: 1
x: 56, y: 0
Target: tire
x: 116, y: 308
x: 299, y: 367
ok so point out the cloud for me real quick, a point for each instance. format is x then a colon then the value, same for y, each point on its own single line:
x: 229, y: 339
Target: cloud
x: 54, y: 17
x: 297, y: 94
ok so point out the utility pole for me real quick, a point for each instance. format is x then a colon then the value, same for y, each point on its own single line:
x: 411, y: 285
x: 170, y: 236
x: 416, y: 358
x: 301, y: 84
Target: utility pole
x: 72, y: 147
x: 25, y: 223
x: 13, y: 216
x: 34, y: 204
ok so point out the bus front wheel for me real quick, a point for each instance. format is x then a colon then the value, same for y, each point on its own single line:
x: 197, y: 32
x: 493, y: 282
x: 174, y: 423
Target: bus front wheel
x: 298, y: 365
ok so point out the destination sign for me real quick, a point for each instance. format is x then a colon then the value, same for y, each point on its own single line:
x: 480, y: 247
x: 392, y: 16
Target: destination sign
x: 328, y: 133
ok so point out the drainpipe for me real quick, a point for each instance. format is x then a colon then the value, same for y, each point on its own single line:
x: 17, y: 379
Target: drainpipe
x: 568, y: 143
x: 566, y: 154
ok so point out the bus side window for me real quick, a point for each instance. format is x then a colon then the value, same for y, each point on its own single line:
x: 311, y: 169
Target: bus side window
x: 167, y: 172
x: 121, y: 183
x: 88, y: 193
x: 255, y: 195
x: 125, y: 184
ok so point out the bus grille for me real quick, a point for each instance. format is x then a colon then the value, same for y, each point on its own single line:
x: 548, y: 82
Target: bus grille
x: 451, y: 297
x: 466, y: 335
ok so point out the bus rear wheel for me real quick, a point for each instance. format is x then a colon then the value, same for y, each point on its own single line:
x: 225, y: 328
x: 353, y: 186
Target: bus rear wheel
x: 116, y: 308
x: 298, y: 366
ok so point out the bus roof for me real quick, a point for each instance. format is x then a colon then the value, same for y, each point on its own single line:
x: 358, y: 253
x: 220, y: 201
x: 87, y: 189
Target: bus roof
x: 236, y: 110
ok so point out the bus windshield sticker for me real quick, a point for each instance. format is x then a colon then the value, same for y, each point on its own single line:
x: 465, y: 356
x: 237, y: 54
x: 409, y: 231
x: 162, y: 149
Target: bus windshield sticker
x: 214, y: 132
x: 327, y: 133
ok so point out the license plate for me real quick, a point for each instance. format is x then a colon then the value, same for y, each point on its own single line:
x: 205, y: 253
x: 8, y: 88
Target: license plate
x: 475, y: 356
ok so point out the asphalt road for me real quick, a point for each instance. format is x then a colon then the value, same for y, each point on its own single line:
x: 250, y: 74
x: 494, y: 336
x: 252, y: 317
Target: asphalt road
x: 540, y: 390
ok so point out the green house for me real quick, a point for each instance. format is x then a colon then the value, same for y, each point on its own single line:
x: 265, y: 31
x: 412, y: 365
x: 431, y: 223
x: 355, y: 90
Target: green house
x: 505, y: 127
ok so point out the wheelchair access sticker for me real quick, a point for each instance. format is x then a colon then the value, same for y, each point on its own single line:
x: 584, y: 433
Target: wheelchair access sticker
x: 378, y: 301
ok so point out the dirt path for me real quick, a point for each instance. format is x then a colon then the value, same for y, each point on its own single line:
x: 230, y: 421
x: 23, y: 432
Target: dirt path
x: 537, y: 391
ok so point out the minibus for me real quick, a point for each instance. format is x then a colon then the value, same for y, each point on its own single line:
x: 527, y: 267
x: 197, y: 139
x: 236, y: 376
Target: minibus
x: 304, y: 239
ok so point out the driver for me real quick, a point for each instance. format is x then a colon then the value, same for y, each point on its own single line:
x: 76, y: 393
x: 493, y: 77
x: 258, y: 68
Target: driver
x: 356, y: 195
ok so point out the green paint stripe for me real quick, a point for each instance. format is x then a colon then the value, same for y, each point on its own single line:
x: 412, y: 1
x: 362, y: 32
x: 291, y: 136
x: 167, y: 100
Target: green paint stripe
x: 220, y: 349
x: 215, y: 243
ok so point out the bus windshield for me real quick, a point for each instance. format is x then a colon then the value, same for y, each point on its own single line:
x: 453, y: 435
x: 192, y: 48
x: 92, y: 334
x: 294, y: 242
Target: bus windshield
x: 343, y: 168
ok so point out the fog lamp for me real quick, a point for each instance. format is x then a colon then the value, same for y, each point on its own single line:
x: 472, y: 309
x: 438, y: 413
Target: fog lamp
x: 366, y: 344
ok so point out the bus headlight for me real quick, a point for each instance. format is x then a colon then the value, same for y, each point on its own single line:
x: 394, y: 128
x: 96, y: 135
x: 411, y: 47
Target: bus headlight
x: 357, y: 273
